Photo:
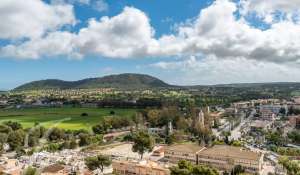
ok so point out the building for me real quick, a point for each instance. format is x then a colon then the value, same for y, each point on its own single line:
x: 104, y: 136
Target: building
x: 269, y: 112
x: 294, y: 121
x: 139, y: 168
x: 260, y: 125
x: 166, y: 130
x: 178, y: 152
x: 225, y: 157
x: 157, y: 131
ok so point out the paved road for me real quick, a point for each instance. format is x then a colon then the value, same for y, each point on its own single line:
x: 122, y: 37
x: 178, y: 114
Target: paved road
x: 236, y: 132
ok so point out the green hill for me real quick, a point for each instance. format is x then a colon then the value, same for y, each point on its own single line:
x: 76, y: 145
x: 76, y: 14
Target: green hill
x: 121, y: 81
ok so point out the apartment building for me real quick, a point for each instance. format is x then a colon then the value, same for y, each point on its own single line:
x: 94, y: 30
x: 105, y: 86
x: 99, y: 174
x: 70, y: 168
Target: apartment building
x: 139, y: 168
x: 178, y: 152
x: 225, y: 157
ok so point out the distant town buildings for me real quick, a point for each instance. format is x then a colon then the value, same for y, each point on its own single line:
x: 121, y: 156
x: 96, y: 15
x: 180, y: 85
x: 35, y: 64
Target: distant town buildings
x: 260, y: 125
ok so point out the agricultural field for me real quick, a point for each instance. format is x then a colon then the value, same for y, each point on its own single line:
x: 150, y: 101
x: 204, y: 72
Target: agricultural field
x: 66, y: 118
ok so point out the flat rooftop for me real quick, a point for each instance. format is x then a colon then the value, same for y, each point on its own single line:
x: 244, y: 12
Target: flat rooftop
x: 260, y: 123
x: 186, y: 147
x: 230, y: 152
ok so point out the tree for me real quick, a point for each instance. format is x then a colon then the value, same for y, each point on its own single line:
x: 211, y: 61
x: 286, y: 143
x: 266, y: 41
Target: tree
x: 170, y: 139
x: 3, y: 140
x: 30, y: 171
x: 183, y: 168
x: 13, y: 125
x: 237, y: 169
x: 73, y: 144
x: 33, y: 140
x: 275, y: 138
x: 96, y: 162
x: 16, y: 139
x: 56, y: 134
x: 153, y: 117
x: 225, y: 173
x: 112, y: 112
x: 52, y: 147
x: 70, y: 144
x: 20, y: 152
x: 186, y: 168
x: 292, y: 167
x: 84, y: 139
x: 200, y: 170
x: 182, y: 124
x: 137, y: 119
x: 103, y: 126
x: 5, y: 129
x: 143, y: 142
x: 84, y: 114
x: 294, y: 136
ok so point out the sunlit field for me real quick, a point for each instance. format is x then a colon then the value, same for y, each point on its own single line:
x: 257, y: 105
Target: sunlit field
x: 67, y: 118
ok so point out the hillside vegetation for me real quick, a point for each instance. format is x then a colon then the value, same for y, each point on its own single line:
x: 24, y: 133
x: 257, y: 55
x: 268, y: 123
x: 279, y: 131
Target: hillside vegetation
x: 121, y: 81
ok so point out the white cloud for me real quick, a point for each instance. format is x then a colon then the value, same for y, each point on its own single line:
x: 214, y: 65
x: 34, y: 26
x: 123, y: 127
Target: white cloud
x: 126, y: 35
x: 100, y: 5
x: 82, y: 2
x: 212, y: 70
x: 32, y: 18
x: 231, y: 49
x: 216, y: 31
x: 54, y: 44
x: 267, y: 9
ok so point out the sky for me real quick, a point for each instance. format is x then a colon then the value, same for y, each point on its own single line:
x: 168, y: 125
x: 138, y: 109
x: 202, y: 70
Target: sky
x: 184, y: 42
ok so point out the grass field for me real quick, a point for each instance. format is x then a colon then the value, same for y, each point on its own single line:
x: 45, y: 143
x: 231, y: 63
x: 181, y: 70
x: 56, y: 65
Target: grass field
x: 67, y: 118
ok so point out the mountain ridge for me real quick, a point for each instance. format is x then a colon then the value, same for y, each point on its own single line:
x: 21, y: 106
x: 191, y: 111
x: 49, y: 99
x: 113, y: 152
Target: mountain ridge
x: 132, y: 81
x: 121, y: 81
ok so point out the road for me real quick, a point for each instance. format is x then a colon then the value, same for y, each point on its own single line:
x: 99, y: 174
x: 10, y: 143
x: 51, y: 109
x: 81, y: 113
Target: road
x: 236, y: 132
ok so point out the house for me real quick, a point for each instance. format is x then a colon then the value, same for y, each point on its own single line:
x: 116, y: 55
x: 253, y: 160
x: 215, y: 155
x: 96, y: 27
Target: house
x: 139, y: 168
x: 162, y: 131
x: 225, y: 157
x: 177, y: 152
x: 157, y: 131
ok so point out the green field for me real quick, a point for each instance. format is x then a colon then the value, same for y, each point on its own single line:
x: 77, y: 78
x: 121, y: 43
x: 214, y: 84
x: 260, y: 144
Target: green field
x: 67, y: 118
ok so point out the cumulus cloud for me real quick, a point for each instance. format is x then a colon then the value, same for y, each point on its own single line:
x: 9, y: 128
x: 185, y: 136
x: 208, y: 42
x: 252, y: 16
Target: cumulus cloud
x: 126, y: 35
x: 215, y: 31
x: 32, y: 18
x: 54, y: 44
x: 269, y: 9
x: 211, y: 70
